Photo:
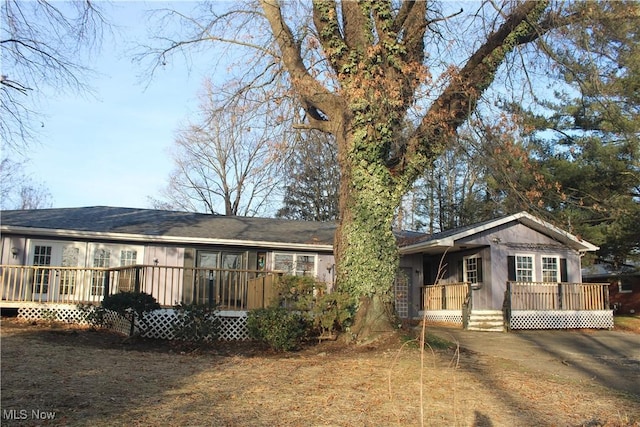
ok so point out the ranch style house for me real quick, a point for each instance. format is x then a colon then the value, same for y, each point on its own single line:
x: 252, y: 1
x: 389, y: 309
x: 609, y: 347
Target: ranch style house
x: 513, y: 272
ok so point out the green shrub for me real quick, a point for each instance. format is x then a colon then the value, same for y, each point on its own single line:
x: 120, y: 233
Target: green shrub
x: 297, y: 292
x: 132, y: 306
x: 196, y: 322
x: 279, y: 328
x: 332, y: 312
x: 325, y: 313
x: 95, y: 316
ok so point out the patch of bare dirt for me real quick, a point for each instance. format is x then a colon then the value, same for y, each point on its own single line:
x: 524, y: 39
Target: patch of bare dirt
x: 97, y: 378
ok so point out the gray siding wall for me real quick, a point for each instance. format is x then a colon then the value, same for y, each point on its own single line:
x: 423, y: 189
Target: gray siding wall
x: 494, y: 247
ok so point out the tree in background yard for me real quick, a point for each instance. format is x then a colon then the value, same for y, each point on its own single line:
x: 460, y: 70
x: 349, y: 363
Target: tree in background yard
x: 362, y: 70
x: 584, y: 145
x: 225, y: 161
x: 312, y: 179
x: 19, y: 191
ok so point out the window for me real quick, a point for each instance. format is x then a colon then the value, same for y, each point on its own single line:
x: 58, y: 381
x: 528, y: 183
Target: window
x: 128, y: 257
x: 126, y: 278
x: 295, y: 264
x: 101, y: 259
x: 42, y: 256
x: 524, y: 268
x: 550, y: 269
x: 473, y: 270
x: 70, y: 255
x: 625, y: 286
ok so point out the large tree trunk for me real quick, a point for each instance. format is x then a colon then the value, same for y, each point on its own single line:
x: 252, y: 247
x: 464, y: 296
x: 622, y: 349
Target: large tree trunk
x: 366, y: 248
x: 378, y: 56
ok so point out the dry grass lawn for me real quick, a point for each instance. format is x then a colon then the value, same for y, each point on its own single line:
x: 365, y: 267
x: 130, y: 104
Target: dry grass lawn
x: 93, y: 378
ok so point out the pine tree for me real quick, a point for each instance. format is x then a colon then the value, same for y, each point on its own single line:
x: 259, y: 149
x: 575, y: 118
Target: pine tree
x: 311, y: 191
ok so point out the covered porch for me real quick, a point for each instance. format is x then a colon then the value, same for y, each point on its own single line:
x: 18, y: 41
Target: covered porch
x: 527, y: 305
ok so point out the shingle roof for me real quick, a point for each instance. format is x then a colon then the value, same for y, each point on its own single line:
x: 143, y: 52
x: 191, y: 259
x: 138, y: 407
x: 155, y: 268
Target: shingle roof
x: 155, y: 223
x: 448, y: 237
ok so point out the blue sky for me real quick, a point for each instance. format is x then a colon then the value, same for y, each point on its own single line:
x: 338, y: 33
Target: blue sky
x: 112, y: 148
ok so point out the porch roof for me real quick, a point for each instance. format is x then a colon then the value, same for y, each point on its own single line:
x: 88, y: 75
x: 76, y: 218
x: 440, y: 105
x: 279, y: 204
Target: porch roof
x: 447, y: 240
x: 150, y: 225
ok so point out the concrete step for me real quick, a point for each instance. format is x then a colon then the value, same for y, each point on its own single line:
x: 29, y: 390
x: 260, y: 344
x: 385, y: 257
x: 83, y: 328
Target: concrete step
x: 486, y: 320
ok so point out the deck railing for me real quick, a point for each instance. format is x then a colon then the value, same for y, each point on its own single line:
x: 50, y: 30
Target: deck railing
x: 557, y: 296
x: 444, y: 297
x: 227, y: 289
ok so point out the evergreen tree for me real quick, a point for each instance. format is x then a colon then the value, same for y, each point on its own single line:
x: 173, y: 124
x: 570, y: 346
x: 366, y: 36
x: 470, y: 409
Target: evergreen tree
x: 311, y: 190
x: 585, y: 146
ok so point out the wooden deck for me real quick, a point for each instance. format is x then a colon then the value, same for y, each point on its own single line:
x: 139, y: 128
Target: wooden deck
x: 227, y: 289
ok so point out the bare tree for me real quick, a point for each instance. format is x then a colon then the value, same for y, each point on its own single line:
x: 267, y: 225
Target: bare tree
x: 41, y: 43
x: 19, y: 191
x: 361, y: 71
x: 225, y: 161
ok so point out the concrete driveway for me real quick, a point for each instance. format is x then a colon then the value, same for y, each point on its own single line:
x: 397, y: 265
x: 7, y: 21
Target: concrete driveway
x: 609, y: 358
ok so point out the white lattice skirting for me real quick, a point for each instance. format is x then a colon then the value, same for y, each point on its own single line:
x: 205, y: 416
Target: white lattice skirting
x: 561, y: 319
x: 233, y: 327
x: 444, y: 316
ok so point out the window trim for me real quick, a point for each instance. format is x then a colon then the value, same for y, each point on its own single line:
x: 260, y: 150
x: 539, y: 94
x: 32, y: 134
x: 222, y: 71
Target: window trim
x: 558, y: 268
x: 294, y: 268
x: 478, y: 270
x: 533, y: 265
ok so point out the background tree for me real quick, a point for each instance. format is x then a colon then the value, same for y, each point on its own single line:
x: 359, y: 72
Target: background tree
x: 455, y: 191
x: 312, y: 179
x: 225, y: 162
x: 361, y: 71
x: 41, y: 44
x: 19, y: 191
x: 584, y: 144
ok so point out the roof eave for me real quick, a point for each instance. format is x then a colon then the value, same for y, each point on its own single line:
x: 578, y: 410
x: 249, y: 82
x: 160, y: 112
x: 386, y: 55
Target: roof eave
x: 423, y: 246
x: 142, y: 238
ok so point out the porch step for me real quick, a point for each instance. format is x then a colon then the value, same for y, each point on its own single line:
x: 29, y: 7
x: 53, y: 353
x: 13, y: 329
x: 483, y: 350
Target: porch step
x: 486, y: 320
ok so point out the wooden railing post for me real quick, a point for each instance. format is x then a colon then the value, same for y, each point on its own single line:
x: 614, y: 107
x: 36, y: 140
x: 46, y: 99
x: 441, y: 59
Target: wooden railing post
x: 605, y: 290
x: 508, y: 301
x: 105, y: 284
x: 136, y: 283
x: 210, y: 289
x: 560, y: 305
x: 443, y: 304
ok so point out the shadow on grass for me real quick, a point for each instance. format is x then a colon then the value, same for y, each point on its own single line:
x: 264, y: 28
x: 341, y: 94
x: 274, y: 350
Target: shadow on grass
x: 605, y: 358
x: 87, y: 377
